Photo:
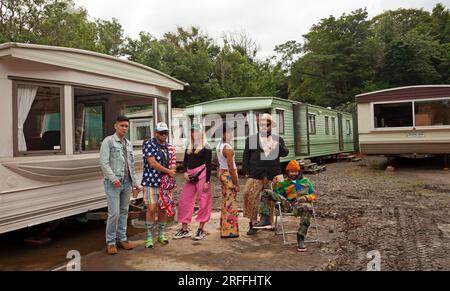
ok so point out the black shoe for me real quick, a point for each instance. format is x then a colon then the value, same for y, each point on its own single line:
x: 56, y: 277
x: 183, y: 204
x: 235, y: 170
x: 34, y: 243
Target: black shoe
x: 264, y: 223
x: 252, y: 231
x: 301, y: 244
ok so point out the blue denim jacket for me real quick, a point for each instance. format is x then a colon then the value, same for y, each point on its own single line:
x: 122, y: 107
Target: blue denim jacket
x: 112, y: 160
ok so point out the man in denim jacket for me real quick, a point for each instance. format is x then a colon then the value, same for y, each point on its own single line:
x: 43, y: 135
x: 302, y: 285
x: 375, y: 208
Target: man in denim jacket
x: 117, y: 163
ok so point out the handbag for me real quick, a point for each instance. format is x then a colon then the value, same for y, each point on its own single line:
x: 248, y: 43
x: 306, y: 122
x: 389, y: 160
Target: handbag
x: 194, y: 178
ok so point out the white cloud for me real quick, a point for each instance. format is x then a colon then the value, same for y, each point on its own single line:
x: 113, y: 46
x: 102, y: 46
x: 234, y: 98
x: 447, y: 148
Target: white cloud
x: 268, y: 22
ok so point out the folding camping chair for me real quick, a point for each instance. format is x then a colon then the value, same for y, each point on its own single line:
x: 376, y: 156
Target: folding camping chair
x: 279, y: 224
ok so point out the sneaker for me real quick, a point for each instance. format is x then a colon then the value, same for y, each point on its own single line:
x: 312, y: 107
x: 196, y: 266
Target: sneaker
x: 163, y: 240
x: 182, y: 234
x: 200, y: 234
x: 252, y: 231
x: 149, y: 243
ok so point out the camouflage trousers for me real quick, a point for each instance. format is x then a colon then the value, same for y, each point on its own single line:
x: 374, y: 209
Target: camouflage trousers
x: 268, y: 197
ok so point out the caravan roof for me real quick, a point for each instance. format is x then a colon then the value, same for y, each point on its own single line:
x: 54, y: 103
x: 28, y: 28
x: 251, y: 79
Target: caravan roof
x: 91, y: 62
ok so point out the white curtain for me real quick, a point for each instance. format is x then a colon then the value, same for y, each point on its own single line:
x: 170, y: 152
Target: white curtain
x: 25, y: 98
x: 79, y: 126
x: 162, y: 111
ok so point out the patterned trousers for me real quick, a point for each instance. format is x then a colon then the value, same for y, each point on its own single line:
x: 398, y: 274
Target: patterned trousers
x: 252, y: 198
x: 229, y: 212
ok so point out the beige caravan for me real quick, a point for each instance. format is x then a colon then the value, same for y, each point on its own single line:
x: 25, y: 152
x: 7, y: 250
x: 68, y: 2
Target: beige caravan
x: 57, y: 105
x: 411, y: 120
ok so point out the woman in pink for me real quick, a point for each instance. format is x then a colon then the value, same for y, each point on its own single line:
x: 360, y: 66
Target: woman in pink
x: 197, y: 174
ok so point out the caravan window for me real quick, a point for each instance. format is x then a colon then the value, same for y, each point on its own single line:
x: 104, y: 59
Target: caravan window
x: 393, y: 115
x: 280, y: 119
x: 141, y: 122
x: 38, y: 118
x: 312, y: 123
x: 327, y: 125
x: 140, y: 130
x: 163, y: 111
x: 333, y: 126
x: 95, y: 114
x: 432, y: 113
x: 237, y: 119
x: 348, y: 127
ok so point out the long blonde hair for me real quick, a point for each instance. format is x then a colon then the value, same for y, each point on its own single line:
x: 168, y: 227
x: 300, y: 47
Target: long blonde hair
x: 203, y: 144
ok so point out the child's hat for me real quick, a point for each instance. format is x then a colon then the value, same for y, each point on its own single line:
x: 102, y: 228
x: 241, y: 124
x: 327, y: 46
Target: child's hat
x: 293, y: 165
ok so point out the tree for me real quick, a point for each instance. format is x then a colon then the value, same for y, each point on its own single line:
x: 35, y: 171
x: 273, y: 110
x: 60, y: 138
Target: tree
x: 339, y: 55
x: 352, y: 54
x: 58, y: 23
x: 145, y: 50
x: 287, y: 53
x: 242, y: 42
x: 110, y: 38
x: 18, y: 18
x: 188, y: 55
x: 412, y: 59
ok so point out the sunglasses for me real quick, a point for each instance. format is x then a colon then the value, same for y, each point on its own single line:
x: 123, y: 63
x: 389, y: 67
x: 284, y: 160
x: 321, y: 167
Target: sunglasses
x: 163, y: 132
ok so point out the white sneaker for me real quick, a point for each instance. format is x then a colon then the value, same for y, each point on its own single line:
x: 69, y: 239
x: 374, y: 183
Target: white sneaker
x: 200, y: 234
x: 182, y: 234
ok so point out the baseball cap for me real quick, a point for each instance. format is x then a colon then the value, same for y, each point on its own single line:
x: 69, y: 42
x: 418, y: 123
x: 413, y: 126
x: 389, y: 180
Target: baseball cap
x: 161, y: 126
x: 196, y: 126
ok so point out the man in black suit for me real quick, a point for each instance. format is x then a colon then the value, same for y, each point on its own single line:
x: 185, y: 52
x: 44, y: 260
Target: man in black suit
x: 261, y: 163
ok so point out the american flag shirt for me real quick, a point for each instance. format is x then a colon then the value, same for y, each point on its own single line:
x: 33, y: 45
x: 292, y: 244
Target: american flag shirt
x: 150, y: 176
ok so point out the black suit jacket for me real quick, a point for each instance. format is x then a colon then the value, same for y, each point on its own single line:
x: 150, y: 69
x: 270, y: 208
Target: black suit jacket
x: 256, y: 164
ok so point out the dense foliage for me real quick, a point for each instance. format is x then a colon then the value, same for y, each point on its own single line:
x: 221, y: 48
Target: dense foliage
x: 337, y: 59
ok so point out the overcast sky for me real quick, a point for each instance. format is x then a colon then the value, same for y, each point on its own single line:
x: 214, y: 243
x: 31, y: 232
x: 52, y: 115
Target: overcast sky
x: 268, y: 22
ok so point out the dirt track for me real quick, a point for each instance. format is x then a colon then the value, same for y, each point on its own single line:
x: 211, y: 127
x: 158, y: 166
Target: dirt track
x: 405, y: 215
x: 400, y: 214
x: 360, y: 209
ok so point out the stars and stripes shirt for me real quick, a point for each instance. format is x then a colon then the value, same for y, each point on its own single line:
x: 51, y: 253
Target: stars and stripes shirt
x: 166, y: 157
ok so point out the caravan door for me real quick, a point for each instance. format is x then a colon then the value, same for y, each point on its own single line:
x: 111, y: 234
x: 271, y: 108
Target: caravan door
x: 301, y: 131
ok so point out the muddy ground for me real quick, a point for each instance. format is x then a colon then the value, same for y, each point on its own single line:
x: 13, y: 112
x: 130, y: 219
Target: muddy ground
x: 404, y: 215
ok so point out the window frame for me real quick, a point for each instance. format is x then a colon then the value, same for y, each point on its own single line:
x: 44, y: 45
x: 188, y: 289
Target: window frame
x: 412, y: 101
x: 333, y: 125
x: 151, y: 98
x: 214, y: 138
x: 133, y: 121
x: 428, y: 126
x: 348, y: 130
x: 279, y: 112
x: 327, y: 125
x: 94, y: 102
x: 16, y: 152
x: 310, y: 131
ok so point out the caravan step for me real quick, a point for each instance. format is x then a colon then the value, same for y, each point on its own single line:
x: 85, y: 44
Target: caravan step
x: 315, y: 170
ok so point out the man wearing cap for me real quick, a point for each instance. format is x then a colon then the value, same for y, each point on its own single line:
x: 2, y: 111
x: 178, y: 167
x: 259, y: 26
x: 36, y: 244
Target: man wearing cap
x: 261, y: 163
x: 117, y: 164
x: 159, y: 159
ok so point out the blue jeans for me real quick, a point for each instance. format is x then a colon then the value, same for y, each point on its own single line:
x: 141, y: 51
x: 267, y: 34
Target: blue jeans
x: 118, y: 203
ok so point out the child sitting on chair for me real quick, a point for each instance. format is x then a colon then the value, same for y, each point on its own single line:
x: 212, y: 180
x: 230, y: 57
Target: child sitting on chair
x: 296, y: 194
